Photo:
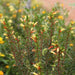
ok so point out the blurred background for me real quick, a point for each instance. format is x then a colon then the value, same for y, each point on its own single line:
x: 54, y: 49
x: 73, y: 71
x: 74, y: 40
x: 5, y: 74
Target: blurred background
x: 48, y: 4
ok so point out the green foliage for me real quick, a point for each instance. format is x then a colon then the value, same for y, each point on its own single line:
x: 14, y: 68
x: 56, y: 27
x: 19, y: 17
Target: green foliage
x: 40, y: 41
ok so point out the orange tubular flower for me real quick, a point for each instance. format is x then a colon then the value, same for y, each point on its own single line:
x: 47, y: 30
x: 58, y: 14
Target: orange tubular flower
x: 31, y: 63
x: 41, y: 32
x: 54, y: 49
x: 60, y: 31
x: 14, y: 65
x: 50, y: 47
x: 33, y: 50
x: 5, y: 27
x: 17, y: 39
x: 71, y: 28
x: 4, y: 23
x: 32, y: 31
x: 39, y: 68
x: 33, y: 25
x: 35, y: 40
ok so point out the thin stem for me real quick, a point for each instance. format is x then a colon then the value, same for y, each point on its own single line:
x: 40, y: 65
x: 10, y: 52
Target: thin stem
x: 59, y: 62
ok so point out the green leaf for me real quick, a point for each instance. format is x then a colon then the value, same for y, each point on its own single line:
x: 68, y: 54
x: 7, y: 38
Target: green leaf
x: 3, y: 60
x: 44, y: 51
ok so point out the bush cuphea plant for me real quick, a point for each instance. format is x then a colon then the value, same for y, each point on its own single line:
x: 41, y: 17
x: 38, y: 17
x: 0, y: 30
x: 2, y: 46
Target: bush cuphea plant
x: 38, y: 40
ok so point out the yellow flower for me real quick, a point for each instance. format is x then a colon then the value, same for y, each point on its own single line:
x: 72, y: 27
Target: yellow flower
x: 62, y: 54
x: 33, y: 36
x: 60, y: 17
x: 43, y: 12
x: 19, y: 10
x: 72, y: 22
x: 61, y: 5
x: 11, y: 27
x: 34, y: 73
x: 2, y: 20
x: 12, y: 55
x: 37, y: 5
x: 23, y: 16
x: 36, y: 65
x: 5, y: 34
x: 33, y: 7
x: 14, y: 16
x: 14, y: 36
x: 7, y: 66
x: 2, y: 55
x: 22, y: 25
x: 55, y: 12
x: 1, y: 73
x: 71, y: 44
x: 1, y: 40
x: 9, y: 21
x: 73, y: 27
x: 56, y: 21
x: 7, y: 4
x: 11, y: 8
x: 62, y: 29
x: 6, y: 37
x: 72, y: 32
x: 34, y: 24
x: 1, y: 15
x: 53, y: 52
x: 53, y: 44
x: 49, y: 17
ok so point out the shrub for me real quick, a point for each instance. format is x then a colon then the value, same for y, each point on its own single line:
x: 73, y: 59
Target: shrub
x: 39, y: 40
